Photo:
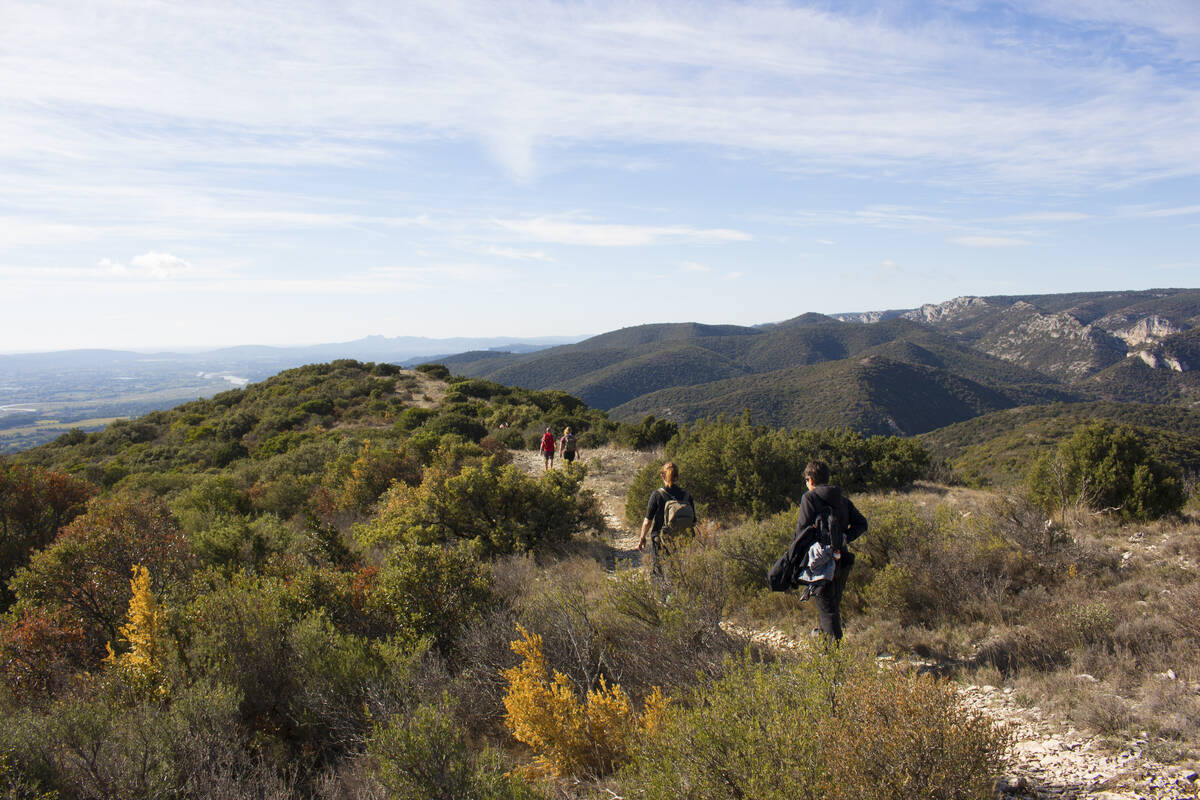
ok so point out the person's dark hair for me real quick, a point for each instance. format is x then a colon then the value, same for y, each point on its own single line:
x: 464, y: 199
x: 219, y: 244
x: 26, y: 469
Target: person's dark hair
x: 818, y: 471
x: 669, y: 473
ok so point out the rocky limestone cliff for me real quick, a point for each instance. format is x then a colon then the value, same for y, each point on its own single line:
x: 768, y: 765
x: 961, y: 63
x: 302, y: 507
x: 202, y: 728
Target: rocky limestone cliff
x: 950, y: 311
x: 1056, y: 344
x: 1143, y: 331
x: 1157, y: 360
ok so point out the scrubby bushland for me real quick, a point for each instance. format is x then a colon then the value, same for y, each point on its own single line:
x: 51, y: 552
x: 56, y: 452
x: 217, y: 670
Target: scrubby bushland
x: 1106, y: 467
x: 424, y: 755
x: 34, y: 504
x: 85, y: 572
x: 996, y: 449
x: 104, y: 744
x: 831, y: 726
x: 308, y: 607
x: 496, y: 506
x: 650, y: 432
x: 733, y: 467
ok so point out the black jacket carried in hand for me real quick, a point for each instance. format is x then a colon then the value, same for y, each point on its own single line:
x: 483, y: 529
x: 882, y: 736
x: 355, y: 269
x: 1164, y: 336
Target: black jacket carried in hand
x: 783, y: 573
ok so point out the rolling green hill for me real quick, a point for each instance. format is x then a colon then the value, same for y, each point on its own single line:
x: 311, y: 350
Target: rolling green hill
x: 872, y: 394
x: 996, y: 449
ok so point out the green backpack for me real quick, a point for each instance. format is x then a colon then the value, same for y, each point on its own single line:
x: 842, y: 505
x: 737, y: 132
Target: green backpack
x: 677, y: 516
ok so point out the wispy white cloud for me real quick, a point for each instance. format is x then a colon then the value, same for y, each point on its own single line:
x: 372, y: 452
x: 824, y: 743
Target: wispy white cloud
x: 1048, y: 216
x: 22, y: 231
x: 590, y: 234
x: 879, y: 216
x: 161, y: 265
x: 515, y: 254
x: 1144, y: 213
x: 244, y: 85
x: 167, y: 272
x: 692, y: 266
x: 989, y: 241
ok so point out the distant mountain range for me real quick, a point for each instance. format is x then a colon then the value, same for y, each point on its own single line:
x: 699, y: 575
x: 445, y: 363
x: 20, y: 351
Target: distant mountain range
x: 394, y: 349
x: 901, y: 371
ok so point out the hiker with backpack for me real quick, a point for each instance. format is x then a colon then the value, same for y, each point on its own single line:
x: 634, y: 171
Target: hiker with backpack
x: 548, y: 448
x: 567, y: 446
x: 830, y: 521
x: 670, y: 515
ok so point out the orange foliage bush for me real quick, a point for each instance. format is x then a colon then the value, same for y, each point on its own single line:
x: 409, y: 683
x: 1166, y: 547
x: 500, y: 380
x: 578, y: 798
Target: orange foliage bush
x: 571, y: 737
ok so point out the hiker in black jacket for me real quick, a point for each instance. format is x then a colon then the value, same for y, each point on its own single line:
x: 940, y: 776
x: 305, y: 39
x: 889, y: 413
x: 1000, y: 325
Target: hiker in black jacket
x: 821, y: 495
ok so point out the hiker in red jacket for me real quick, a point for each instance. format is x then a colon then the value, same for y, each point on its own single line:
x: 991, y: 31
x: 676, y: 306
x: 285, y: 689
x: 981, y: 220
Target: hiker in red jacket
x: 548, y: 447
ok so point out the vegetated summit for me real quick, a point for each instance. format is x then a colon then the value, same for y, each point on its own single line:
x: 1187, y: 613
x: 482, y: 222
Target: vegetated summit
x: 895, y: 372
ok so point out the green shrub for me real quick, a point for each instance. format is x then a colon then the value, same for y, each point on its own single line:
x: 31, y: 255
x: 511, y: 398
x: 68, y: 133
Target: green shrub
x: 481, y: 389
x: 650, y: 640
x: 456, y: 423
x: 34, y: 504
x: 739, y: 468
x: 238, y: 637
x: 511, y: 438
x: 751, y: 548
x: 431, y: 590
x: 424, y: 756
x: 1105, y: 467
x: 336, y: 677
x: 101, y: 745
x: 241, y: 542
x: 649, y: 433
x: 86, y: 570
x: 832, y: 726
x: 374, y: 469
x: 436, y: 371
x: 320, y: 406
x: 497, y: 506
x: 208, y: 499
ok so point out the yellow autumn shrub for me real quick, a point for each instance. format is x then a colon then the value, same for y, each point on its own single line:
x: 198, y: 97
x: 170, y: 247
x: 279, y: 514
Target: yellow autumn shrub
x: 141, y: 664
x: 569, y: 736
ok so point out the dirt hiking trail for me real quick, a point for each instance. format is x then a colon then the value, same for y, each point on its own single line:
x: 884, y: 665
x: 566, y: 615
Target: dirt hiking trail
x: 610, y: 472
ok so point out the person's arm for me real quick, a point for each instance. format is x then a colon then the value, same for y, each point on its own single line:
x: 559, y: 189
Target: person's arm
x: 651, y: 512
x: 858, y: 523
x: 807, y: 513
x: 646, y: 523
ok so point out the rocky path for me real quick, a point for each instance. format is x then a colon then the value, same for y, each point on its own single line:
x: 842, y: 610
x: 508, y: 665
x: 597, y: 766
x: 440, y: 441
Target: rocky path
x: 1049, y: 758
x: 610, y: 472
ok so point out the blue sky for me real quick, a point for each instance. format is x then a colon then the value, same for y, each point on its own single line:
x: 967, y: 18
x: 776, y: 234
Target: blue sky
x: 195, y: 174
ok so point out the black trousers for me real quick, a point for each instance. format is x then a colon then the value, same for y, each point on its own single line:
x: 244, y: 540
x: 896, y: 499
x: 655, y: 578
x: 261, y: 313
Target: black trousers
x: 828, y: 597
